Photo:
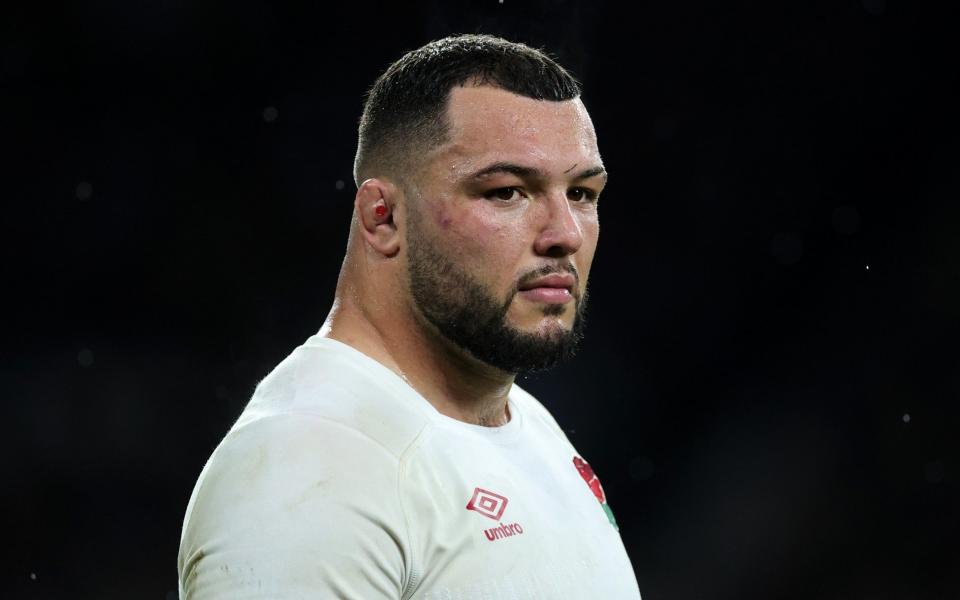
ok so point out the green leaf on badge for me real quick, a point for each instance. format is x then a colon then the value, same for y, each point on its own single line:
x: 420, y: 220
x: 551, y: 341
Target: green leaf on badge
x: 613, y: 520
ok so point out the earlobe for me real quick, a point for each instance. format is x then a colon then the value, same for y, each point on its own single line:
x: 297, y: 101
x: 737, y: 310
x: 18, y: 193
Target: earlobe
x: 374, y: 204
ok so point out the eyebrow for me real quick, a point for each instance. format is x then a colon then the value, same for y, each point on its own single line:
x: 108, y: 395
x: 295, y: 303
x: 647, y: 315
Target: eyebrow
x: 529, y: 172
x: 592, y: 172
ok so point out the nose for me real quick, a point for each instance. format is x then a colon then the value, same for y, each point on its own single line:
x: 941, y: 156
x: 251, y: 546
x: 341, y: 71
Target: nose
x: 561, y: 234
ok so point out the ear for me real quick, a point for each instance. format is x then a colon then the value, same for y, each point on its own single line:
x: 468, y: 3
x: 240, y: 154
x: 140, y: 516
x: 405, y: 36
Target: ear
x: 375, y: 202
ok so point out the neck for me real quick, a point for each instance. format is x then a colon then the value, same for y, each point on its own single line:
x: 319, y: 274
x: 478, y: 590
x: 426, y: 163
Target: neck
x: 456, y: 384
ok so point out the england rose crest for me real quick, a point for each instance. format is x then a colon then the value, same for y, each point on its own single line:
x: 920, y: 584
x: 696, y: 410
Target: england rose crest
x: 593, y: 482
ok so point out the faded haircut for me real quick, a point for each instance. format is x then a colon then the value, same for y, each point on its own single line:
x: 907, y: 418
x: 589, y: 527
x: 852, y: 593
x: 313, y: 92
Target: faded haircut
x: 404, y: 114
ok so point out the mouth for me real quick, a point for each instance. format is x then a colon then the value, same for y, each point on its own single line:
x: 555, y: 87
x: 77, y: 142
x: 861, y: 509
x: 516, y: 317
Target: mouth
x: 556, y: 288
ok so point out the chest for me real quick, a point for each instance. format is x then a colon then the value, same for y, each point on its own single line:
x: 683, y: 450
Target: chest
x: 514, y: 521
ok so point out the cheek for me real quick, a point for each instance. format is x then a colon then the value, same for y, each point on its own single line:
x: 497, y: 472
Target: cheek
x: 583, y: 259
x: 483, y: 243
x: 591, y: 234
x: 441, y: 217
x: 498, y: 236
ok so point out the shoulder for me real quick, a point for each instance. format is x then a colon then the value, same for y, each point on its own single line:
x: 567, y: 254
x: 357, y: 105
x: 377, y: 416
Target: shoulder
x: 293, y: 501
x: 332, y: 381
x: 302, y: 496
x: 290, y: 448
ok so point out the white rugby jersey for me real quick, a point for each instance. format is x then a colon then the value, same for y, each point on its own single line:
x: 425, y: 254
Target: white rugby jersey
x: 340, y: 481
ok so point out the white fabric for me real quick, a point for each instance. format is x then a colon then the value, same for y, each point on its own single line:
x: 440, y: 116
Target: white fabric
x: 341, y: 481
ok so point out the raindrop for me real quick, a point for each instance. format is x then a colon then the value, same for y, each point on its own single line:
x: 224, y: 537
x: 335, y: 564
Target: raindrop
x: 85, y: 357
x: 84, y: 190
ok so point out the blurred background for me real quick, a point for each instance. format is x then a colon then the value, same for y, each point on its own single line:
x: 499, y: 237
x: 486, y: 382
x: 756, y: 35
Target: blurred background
x: 769, y: 385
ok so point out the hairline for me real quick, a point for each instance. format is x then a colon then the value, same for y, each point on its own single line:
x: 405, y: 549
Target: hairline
x: 413, y: 171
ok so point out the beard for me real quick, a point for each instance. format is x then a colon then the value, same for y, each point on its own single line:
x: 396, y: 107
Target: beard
x: 465, y: 313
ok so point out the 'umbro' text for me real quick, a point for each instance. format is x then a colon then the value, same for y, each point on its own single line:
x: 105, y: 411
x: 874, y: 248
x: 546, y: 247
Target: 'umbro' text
x: 503, y: 531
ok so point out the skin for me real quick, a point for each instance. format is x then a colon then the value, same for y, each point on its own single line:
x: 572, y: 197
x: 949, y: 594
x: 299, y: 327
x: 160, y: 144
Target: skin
x: 496, y: 227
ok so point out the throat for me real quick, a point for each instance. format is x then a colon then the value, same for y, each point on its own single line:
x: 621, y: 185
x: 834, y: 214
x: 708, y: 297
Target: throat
x: 497, y: 418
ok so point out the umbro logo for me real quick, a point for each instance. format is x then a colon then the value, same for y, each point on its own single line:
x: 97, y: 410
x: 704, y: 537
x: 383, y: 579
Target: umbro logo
x: 492, y: 505
x: 487, y: 503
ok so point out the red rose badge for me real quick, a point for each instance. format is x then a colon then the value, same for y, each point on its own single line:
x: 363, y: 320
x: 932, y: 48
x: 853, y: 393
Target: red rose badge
x: 593, y: 482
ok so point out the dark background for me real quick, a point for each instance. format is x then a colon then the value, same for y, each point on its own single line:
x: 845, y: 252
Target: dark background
x: 768, y: 389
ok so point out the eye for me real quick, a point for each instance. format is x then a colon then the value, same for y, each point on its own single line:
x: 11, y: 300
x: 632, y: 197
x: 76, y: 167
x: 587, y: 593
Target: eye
x: 579, y: 194
x: 507, y: 194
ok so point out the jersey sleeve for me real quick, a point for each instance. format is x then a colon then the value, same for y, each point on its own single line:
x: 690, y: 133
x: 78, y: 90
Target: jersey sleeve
x: 295, y: 506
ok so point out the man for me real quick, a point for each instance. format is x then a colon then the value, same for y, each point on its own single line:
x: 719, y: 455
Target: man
x: 391, y: 455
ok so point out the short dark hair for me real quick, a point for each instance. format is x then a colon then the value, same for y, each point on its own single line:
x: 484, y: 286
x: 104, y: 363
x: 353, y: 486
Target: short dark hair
x: 404, y: 113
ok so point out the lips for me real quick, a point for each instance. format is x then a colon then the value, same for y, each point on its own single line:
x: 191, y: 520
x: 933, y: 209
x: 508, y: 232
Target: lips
x: 556, y: 288
x: 557, y: 281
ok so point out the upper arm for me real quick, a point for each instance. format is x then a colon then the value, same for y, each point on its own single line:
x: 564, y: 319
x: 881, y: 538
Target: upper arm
x: 295, y: 506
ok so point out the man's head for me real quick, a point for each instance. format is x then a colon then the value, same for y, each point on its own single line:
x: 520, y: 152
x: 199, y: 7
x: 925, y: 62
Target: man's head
x: 478, y: 173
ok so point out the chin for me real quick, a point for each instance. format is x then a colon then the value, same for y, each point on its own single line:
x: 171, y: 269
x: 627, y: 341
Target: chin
x: 537, y: 315
x: 547, y: 326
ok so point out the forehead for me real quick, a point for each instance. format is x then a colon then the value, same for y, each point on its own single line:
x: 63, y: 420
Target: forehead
x: 490, y: 124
